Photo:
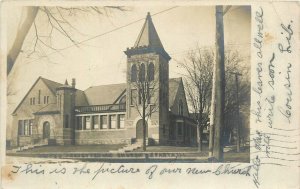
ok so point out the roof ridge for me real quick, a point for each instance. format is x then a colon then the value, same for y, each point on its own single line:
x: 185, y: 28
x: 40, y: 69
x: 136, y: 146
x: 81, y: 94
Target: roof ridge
x: 106, y: 85
x: 50, y: 80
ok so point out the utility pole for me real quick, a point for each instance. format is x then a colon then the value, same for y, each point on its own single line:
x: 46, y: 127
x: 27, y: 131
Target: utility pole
x: 218, y: 97
x: 212, y: 114
x: 238, y: 140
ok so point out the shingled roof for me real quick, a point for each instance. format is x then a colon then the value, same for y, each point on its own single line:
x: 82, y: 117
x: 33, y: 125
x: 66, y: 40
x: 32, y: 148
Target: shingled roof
x: 52, y: 85
x: 148, y: 35
x: 104, y: 94
x: 108, y: 94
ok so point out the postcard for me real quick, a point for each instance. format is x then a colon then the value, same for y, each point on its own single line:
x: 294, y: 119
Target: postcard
x: 152, y: 94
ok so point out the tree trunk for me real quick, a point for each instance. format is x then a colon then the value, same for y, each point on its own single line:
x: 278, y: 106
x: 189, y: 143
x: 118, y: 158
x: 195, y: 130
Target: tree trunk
x: 21, y: 35
x: 199, y: 134
x: 238, y: 145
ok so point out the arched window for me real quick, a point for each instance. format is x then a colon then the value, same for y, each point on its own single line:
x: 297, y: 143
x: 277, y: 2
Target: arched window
x: 142, y: 72
x: 180, y: 107
x: 133, y: 73
x: 151, y: 72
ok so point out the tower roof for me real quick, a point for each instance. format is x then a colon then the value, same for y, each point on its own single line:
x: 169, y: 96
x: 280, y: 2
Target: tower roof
x: 148, y: 35
x: 147, y: 41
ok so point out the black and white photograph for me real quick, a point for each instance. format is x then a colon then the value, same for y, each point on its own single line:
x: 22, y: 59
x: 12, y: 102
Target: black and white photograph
x: 149, y: 94
x: 129, y: 84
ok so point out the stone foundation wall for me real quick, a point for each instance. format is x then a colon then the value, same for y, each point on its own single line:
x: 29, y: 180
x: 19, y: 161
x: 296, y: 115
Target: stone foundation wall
x: 25, y: 140
x: 120, y: 136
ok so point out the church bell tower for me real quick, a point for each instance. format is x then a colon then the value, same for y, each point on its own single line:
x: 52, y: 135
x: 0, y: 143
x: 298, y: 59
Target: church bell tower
x: 148, y: 61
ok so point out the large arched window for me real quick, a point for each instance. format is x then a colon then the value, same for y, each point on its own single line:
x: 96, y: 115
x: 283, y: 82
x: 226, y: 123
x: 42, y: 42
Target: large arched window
x: 133, y: 73
x: 151, y: 72
x: 142, y: 72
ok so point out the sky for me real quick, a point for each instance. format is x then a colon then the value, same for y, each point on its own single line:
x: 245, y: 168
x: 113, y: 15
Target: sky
x: 102, y: 59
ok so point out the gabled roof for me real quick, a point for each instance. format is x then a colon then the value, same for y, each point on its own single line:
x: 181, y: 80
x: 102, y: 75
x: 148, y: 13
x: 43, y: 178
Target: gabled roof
x: 52, y: 85
x: 108, y: 94
x: 104, y: 94
x: 148, y: 35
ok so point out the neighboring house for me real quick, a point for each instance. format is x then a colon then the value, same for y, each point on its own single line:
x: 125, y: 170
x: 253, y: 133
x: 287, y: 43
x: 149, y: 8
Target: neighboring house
x: 59, y: 113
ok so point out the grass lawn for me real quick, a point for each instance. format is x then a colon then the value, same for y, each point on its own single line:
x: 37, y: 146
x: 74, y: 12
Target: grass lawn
x: 242, y: 156
x: 72, y: 148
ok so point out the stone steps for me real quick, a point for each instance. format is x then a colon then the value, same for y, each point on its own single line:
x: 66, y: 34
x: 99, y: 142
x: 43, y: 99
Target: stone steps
x: 128, y: 148
x: 22, y: 148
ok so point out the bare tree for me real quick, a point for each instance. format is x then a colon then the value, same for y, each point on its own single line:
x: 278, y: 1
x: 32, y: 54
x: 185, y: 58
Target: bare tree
x: 198, y: 82
x: 198, y: 73
x: 57, y: 18
x: 145, y: 100
x: 234, y: 64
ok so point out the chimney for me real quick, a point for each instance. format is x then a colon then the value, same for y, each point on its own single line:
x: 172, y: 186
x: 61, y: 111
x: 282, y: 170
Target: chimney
x: 73, y: 82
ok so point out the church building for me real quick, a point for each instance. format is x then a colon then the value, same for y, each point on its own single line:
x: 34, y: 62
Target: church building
x: 56, y: 113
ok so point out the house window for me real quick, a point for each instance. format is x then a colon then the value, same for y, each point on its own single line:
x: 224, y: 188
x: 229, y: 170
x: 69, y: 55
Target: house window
x: 133, y: 96
x: 121, y: 121
x: 133, y: 73
x: 151, y: 72
x: 87, y: 122
x: 95, y: 122
x: 66, y: 121
x: 142, y: 73
x: 103, y: 122
x: 47, y: 99
x: 112, y: 121
x: 180, y: 107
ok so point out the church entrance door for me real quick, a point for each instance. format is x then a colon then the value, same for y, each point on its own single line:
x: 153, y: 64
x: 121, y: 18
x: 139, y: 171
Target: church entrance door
x: 46, y: 130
